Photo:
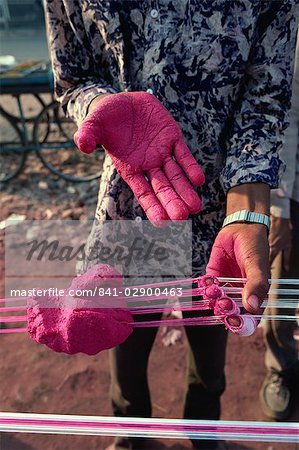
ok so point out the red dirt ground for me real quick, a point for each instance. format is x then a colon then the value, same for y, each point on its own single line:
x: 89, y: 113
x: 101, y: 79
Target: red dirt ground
x: 35, y: 379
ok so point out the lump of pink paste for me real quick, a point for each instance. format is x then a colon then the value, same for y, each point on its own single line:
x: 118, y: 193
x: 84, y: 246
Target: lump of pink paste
x: 74, y: 330
x: 100, y: 275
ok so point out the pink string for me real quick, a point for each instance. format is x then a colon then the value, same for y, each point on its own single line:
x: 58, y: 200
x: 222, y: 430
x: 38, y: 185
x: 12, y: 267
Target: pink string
x: 187, y: 293
x: 179, y: 322
x: 195, y: 306
x: 12, y: 308
x: 197, y: 429
x: 144, y: 324
x: 13, y: 319
x: 12, y: 299
x: 208, y: 286
x: 198, y: 306
x: 13, y: 330
x: 166, y: 283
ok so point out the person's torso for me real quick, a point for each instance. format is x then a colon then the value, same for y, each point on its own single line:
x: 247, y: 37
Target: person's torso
x: 192, y: 54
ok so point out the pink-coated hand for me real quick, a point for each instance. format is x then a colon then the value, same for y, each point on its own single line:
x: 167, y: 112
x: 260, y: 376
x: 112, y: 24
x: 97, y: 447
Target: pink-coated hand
x: 148, y: 150
x: 242, y: 251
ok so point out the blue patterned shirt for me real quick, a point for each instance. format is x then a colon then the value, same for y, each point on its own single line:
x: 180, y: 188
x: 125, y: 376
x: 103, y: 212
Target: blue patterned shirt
x: 222, y: 68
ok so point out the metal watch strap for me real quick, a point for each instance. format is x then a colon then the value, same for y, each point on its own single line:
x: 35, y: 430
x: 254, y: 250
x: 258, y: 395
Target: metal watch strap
x: 247, y: 216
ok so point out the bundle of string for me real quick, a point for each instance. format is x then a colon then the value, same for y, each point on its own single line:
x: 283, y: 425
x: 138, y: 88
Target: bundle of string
x: 222, y: 295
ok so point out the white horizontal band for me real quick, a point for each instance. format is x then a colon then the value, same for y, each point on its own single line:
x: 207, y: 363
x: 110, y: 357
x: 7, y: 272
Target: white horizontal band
x: 144, y: 427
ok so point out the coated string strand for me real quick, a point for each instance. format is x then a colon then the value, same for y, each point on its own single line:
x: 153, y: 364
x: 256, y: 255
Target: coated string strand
x: 163, y: 307
x: 159, y: 428
x: 194, y: 321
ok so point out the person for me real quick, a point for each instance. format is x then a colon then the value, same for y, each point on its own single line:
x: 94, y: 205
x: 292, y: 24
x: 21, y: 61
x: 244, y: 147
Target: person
x: 222, y: 70
x: 279, y: 388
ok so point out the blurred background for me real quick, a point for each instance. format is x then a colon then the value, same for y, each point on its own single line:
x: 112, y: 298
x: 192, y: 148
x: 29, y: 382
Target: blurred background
x: 38, y: 160
x: 23, y: 23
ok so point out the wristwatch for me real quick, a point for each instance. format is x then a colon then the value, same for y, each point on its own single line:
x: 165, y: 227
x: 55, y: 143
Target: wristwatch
x: 247, y: 217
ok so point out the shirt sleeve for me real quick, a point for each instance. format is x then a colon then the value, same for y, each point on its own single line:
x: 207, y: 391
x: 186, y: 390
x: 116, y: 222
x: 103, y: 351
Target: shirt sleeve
x: 261, y: 113
x: 76, y: 81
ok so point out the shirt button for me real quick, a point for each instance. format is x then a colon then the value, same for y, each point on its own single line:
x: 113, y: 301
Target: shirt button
x: 150, y: 91
x: 154, y: 14
x: 138, y: 219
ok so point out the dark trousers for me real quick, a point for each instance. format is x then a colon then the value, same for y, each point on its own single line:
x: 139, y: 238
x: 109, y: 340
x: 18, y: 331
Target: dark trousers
x: 205, y: 379
x: 281, y: 351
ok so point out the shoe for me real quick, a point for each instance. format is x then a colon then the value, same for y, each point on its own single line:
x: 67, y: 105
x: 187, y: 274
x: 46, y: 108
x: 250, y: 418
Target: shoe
x: 277, y: 393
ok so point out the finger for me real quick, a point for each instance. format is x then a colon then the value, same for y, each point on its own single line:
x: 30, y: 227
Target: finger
x: 188, y: 163
x: 174, y: 206
x: 87, y: 137
x: 148, y: 200
x: 182, y: 186
x: 256, y: 288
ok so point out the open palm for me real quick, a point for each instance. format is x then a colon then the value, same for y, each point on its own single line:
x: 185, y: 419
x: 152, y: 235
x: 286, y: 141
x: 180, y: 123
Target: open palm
x: 148, y: 150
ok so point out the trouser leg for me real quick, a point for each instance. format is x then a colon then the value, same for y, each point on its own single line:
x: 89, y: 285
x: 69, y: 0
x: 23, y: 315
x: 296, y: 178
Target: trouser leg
x: 281, y: 352
x: 129, y: 386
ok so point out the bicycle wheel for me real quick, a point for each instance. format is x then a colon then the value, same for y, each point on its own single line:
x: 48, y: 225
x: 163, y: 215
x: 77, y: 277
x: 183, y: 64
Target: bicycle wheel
x: 52, y: 137
x: 12, y: 157
x: 32, y: 104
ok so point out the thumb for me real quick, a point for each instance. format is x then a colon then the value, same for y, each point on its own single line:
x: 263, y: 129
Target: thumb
x: 256, y: 287
x: 87, y: 137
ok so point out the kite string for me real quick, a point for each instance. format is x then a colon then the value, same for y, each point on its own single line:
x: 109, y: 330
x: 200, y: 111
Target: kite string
x: 208, y: 286
x: 227, y: 288
x: 138, y: 427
